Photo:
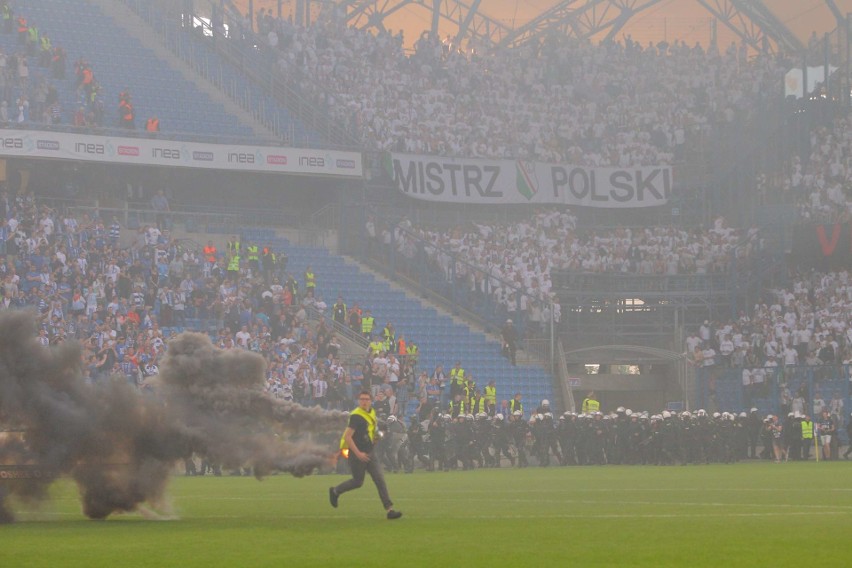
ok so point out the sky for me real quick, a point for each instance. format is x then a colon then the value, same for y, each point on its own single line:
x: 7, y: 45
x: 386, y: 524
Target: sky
x: 670, y: 19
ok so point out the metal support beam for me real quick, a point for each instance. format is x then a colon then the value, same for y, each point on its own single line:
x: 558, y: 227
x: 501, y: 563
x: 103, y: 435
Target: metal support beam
x: 754, y: 24
x: 726, y: 12
x: 366, y: 14
x: 581, y: 19
x: 436, y: 16
x: 750, y: 20
x: 770, y: 24
x: 560, y: 14
x: 466, y: 23
x: 838, y: 15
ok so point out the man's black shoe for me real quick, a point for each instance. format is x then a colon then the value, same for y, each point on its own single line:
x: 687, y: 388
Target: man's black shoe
x: 393, y: 515
x: 332, y: 497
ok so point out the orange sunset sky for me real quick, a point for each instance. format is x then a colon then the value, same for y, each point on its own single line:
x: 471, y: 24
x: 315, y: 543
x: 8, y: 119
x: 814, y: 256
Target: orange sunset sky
x: 670, y: 19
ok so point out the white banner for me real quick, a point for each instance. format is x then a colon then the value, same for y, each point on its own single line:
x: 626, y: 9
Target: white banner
x: 507, y: 182
x: 155, y: 152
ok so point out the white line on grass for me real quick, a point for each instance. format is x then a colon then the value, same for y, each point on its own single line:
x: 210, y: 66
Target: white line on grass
x: 283, y: 497
x: 582, y: 516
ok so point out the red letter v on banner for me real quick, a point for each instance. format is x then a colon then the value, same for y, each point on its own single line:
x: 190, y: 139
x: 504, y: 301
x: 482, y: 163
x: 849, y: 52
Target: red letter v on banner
x: 828, y: 247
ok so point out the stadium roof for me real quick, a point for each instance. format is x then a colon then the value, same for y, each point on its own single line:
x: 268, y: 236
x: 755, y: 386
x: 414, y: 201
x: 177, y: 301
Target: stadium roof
x: 763, y: 24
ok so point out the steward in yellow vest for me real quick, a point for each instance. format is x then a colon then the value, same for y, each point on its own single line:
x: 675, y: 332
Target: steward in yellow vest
x: 456, y: 379
x: 367, y: 322
x: 357, y: 444
x: 590, y: 404
x: 458, y: 407
x: 491, y: 397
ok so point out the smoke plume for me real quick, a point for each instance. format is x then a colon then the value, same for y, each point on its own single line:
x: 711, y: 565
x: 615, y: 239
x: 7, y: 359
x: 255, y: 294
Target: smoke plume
x: 120, y: 444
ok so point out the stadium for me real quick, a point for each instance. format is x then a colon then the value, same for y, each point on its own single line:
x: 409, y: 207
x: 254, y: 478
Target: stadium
x: 561, y: 246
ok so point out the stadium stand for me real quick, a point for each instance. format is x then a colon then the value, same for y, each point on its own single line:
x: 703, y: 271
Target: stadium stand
x: 618, y: 104
x: 614, y: 104
x: 441, y: 340
x: 120, y: 63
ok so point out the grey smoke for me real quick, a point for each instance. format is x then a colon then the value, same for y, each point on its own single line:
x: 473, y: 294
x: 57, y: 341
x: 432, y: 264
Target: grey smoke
x: 121, y: 446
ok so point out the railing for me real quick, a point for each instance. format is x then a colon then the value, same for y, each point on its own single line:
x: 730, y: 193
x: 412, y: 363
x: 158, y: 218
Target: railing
x: 545, y: 350
x: 133, y: 218
x: 609, y: 283
x: 326, y: 218
x: 339, y: 328
x: 447, y: 282
x: 204, y: 219
x: 250, y: 217
x: 127, y: 133
x: 561, y: 375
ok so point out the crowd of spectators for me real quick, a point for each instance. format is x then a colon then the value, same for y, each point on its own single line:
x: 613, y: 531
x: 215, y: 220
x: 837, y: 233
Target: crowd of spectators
x: 613, y: 104
x: 820, y: 184
x: 807, y: 323
x: 123, y: 295
x: 514, y: 263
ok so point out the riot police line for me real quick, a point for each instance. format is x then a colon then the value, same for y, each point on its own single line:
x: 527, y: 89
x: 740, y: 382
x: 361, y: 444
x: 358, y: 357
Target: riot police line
x: 442, y: 442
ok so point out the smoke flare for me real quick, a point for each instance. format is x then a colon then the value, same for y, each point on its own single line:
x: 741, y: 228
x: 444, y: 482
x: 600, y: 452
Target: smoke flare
x: 121, y: 446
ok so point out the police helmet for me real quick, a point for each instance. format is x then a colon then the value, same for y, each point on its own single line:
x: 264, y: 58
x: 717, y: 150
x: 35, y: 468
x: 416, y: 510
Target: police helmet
x: 545, y: 402
x: 667, y: 414
x: 481, y: 415
x: 391, y: 418
x: 628, y: 412
x: 743, y: 415
x: 621, y: 410
x: 753, y: 409
x: 517, y: 413
x: 499, y: 417
x: 469, y: 417
x: 548, y: 415
x: 717, y: 415
x: 686, y: 414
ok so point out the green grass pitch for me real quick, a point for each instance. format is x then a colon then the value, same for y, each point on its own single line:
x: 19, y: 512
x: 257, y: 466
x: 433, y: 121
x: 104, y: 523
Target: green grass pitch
x: 749, y: 514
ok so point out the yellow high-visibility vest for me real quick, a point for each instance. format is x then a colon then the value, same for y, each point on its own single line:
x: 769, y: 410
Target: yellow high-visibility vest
x: 370, y: 417
x: 491, y: 394
x: 253, y: 252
